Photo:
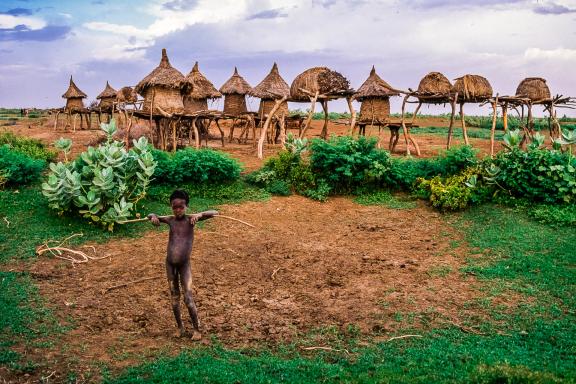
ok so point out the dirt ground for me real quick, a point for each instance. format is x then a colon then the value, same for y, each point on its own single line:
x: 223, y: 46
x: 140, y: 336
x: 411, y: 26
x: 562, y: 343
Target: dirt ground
x: 306, y: 265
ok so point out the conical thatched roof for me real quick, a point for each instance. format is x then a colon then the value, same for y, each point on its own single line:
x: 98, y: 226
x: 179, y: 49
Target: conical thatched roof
x: 374, y: 87
x: 73, y: 91
x: 534, y: 88
x: 199, y: 87
x: 235, y: 85
x: 434, y: 83
x: 127, y: 95
x: 108, y: 92
x: 322, y: 80
x: 164, y: 75
x: 272, y: 87
x: 472, y: 88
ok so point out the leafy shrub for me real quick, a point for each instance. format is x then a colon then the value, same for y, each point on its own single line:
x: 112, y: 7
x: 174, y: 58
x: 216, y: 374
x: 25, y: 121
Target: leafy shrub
x: 29, y: 147
x: 195, y: 165
x: 104, y: 183
x: 18, y: 168
x: 560, y: 214
x: 279, y: 187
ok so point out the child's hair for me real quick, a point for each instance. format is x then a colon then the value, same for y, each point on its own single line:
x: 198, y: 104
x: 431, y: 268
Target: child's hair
x: 180, y: 194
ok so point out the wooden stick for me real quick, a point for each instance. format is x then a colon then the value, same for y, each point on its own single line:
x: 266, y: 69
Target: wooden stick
x: 310, y: 114
x: 277, y: 105
x: 493, y: 129
x: 132, y: 282
x: 221, y: 216
x: 402, y: 337
x: 324, y: 349
x: 352, y: 116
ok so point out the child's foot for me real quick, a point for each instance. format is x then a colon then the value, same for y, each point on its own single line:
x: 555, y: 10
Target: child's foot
x: 180, y: 333
x: 196, y: 335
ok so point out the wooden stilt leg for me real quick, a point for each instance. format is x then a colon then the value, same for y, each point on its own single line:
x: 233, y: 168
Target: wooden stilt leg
x: 453, y: 112
x: 283, y: 130
x: 196, y: 134
x: 505, y: 116
x: 219, y: 129
x: 416, y: 113
x: 402, y: 121
x: 493, y: 130
x: 324, y: 134
x: 310, y: 114
x: 352, y: 116
x: 267, y: 124
x: 464, y: 132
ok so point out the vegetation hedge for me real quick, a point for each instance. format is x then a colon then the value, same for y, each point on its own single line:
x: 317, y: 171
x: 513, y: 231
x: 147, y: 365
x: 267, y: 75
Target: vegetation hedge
x: 30, y: 147
x: 17, y: 168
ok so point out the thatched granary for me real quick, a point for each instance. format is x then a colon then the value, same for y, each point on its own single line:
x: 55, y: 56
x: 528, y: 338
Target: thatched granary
x: 161, y: 89
x: 197, y: 90
x: 535, y: 89
x: 434, y: 88
x: 107, y: 98
x: 74, y: 98
x: 329, y: 85
x: 126, y: 95
x: 235, y: 91
x: 272, y: 88
x: 374, y: 94
x: 472, y: 89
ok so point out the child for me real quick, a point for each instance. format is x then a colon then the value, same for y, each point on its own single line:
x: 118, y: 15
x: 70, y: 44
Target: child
x: 180, y: 242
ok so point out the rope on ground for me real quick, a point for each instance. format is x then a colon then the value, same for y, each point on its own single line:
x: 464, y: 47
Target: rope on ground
x: 65, y: 253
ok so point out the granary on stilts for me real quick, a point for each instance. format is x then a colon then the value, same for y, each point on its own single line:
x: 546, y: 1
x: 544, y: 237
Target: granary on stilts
x: 107, y: 99
x: 162, y: 92
x: 374, y: 95
x: 235, y: 90
x: 321, y: 84
x: 434, y: 88
x: 74, y: 105
x: 273, y: 93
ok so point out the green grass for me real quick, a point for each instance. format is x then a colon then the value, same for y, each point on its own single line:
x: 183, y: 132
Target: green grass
x: 532, y: 342
x: 386, y: 199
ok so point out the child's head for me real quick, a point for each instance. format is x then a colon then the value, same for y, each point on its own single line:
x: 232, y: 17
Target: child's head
x: 179, y: 202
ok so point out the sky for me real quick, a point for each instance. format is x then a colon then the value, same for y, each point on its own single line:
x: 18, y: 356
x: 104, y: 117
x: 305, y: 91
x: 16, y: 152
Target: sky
x: 43, y: 43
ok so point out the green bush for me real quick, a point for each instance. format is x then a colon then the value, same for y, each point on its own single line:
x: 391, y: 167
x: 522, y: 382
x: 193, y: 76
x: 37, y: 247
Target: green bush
x: 18, y: 168
x: 29, y: 147
x: 279, y: 187
x: 195, y: 165
x: 104, y: 183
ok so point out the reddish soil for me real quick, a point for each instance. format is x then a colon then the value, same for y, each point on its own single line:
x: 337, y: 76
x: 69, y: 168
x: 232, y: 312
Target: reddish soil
x: 306, y: 265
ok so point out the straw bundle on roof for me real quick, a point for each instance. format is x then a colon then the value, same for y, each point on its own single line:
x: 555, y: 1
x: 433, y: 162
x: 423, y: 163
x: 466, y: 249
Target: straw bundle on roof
x: 534, y: 88
x: 328, y: 84
x: 374, y: 87
x: 197, y: 90
x: 235, y: 90
x: 272, y: 87
x: 472, y: 88
x: 126, y: 95
x: 162, y: 88
x: 107, y: 97
x: 74, y: 96
x: 434, y: 83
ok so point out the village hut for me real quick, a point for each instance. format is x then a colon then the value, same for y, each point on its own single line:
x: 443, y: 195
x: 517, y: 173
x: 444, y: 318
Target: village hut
x: 161, y: 89
x: 74, y: 98
x: 374, y: 94
x: 535, y: 89
x: 235, y: 91
x: 434, y: 88
x: 107, y: 98
x: 197, y: 90
x: 472, y: 89
x: 272, y: 88
x: 126, y: 95
x: 320, y: 84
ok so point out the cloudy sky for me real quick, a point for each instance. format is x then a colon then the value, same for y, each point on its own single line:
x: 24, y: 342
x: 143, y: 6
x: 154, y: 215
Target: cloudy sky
x: 43, y: 42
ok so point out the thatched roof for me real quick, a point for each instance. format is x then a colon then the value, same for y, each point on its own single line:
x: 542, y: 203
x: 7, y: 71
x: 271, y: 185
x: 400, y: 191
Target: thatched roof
x: 374, y: 87
x: 472, y: 88
x: 272, y: 87
x: 236, y: 84
x: 73, y: 91
x: 199, y: 87
x: 127, y: 95
x: 434, y: 83
x: 108, y: 92
x: 164, y: 75
x: 328, y: 83
x: 533, y: 88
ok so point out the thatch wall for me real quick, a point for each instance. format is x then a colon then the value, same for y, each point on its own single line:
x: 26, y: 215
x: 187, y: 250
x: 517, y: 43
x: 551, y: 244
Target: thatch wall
x: 266, y: 106
x: 472, y: 88
x: 168, y: 99
x: 74, y: 104
x: 534, y: 88
x: 127, y: 95
x: 323, y: 80
x: 106, y: 102
x: 235, y: 104
x: 375, y: 109
x: 192, y: 105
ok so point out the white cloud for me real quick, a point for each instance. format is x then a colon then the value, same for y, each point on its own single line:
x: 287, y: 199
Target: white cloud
x: 9, y: 22
x: 554, y: 54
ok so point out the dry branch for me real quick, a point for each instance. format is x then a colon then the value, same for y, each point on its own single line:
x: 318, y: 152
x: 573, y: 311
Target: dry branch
x: 324, y: 349
x: 402, y: 337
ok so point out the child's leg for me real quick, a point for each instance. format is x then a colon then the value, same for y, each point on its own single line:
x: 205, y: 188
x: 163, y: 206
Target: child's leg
x: 172, y: 273
x: 186, y: 280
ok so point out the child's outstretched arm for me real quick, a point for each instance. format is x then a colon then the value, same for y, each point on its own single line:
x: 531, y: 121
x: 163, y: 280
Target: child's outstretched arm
x: 156, y: 220
x: 200, y: 216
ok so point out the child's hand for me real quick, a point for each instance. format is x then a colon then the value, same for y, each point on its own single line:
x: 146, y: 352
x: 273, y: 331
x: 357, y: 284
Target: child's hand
x: 154, y: 219
x: 194, y: 218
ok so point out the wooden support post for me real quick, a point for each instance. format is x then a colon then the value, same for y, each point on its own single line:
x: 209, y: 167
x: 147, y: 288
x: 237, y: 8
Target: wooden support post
x: 74, y: 122
x: 266, y: 124
x: 56, y: 120
x: 493, y: 130
x: 283, y: 130
x: 324, y: 133
x: 196, y: 134
x: 219, y: 129
x: 416, y: 113
x: 310, y: 114
x: 451, y: 126
x: 464, y: 132
x: 505, y: 116
x: 402, y: 118
x: 352, y: 116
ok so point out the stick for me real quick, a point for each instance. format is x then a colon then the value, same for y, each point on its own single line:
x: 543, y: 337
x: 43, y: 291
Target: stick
x: 401, y: 337
x: 221, y: 216
x: 131, y: 282
x: 7, y: 222
x: 273, y: 276
x: 324, y: 349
